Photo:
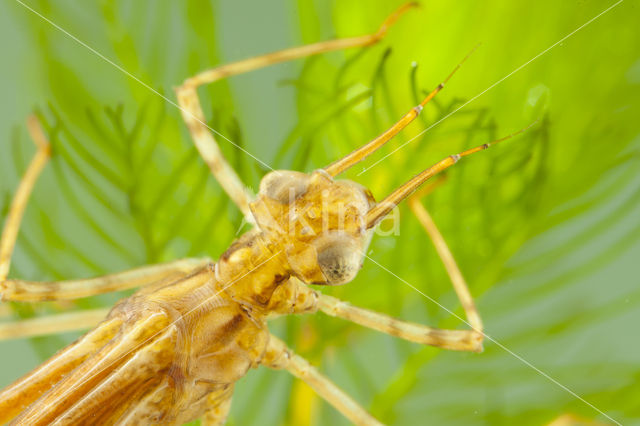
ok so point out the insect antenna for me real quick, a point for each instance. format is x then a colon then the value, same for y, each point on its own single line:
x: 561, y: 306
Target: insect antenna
x: 364, y: 151
x: 377, y: 213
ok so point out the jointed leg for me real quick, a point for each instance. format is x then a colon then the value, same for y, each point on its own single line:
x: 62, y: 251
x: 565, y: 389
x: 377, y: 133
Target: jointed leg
x: 33, y: 291
x: 219, y: 404
x: 29, y: 291
x: 278, y: 356
x: 457, y: 279
x: 458, y: 340
x: 19, y: 203
x: 194, y: 117
x: 51, y: 324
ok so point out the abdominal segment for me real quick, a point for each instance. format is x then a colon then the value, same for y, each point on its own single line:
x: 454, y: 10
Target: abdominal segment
x: 99, y: 387
x: 159, y: 358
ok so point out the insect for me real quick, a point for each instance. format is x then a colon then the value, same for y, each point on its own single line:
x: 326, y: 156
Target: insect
x: 173, y: 351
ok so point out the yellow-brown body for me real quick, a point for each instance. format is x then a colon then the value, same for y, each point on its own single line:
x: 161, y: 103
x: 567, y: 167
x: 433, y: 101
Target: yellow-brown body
x: 173, y: 351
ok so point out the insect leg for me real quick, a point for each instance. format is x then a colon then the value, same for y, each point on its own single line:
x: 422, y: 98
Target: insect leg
x: 30, y: 291
x: 194, y: 117
x: 457, y: 279
x: 33, y: 291
x: 278, y: 356
x: 459, y: 340
x: 51, y: 324
x: 19, y: 202
x: 219, y: 404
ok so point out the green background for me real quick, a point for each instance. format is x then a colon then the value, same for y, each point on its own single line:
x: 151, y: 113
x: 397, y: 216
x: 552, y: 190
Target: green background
x: 545, y: 228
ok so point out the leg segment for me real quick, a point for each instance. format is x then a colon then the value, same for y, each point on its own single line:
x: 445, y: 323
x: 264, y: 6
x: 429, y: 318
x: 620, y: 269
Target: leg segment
x: 51, y: 324
x: 219, y: 405
x: 458, y: 281
x: 194, y: 117
x: 298, y: 298
x: 30, y: 291
x: 459, y: 340
x: 278, y: 356
x: 19, y: 202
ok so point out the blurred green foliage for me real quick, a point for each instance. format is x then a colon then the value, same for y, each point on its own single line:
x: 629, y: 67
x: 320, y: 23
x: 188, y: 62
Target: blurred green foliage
x: 545, y: 228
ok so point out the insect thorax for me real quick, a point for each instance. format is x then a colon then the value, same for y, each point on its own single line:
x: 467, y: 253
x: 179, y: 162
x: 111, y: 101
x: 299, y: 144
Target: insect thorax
x: 308, y: 226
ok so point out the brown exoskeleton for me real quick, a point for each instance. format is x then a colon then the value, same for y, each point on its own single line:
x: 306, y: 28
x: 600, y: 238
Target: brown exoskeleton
x: 172, y: 352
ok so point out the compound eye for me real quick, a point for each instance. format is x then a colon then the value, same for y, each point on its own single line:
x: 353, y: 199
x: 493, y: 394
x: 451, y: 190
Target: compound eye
x: 339, y: 259
x: 284, y: 186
